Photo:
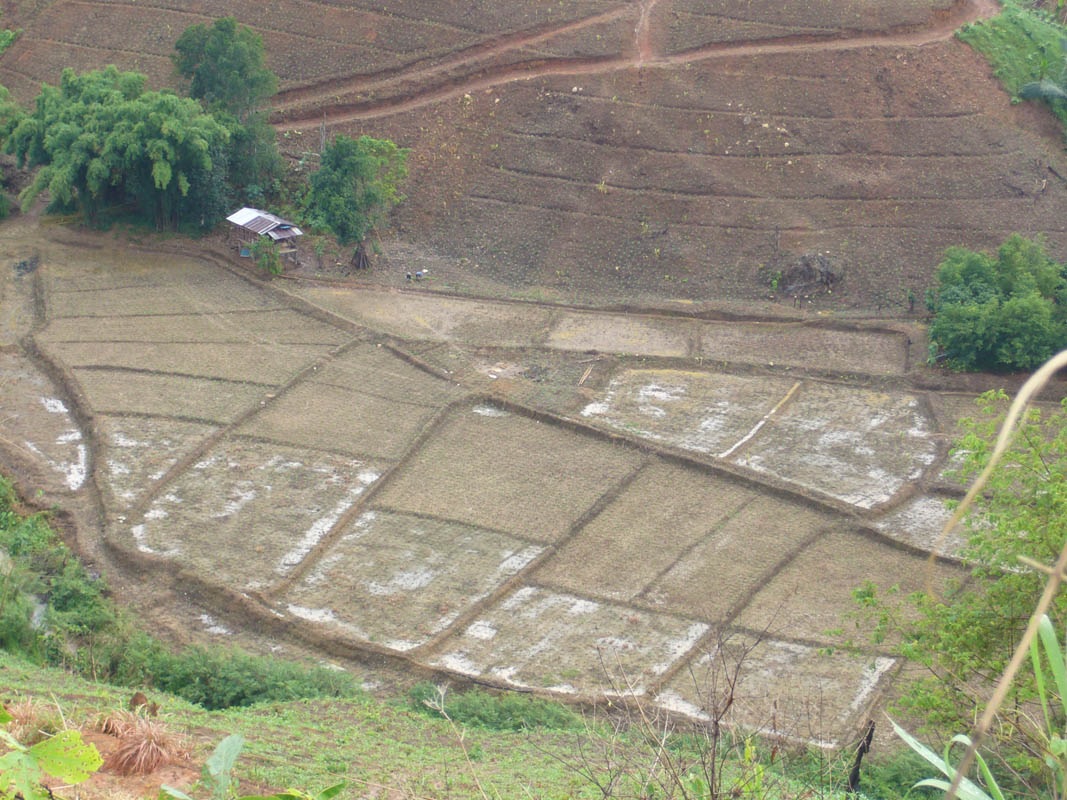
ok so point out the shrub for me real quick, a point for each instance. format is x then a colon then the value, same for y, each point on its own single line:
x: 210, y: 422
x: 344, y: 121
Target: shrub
x: 998, y: 313
x: 508, y: 711
x: 265, y: 254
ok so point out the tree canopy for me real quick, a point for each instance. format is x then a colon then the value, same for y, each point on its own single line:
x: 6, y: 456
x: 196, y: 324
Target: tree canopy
x: 101, y: 139
x: 225, y: 67
x: 999, y: 313
x: 226, y: 70
x: 357, y: 183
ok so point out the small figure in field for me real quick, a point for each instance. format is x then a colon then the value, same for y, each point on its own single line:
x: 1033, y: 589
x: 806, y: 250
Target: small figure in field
x: 408, y: 276
x: 139, y: 704
x: 421, y: 274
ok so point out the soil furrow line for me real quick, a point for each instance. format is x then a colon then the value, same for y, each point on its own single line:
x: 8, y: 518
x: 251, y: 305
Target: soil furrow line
x: 382, y: 13
x: 498, y: 46
x: 329, y: 539
x: 965, y: 12
x: 93, y: 49
x: 168, y: 374
x: 579, y: 214
x: 207, y: 444
x: 799, y: 155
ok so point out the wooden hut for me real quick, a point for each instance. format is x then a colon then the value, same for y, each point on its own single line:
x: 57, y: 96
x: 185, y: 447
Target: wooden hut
x: 251, y: 223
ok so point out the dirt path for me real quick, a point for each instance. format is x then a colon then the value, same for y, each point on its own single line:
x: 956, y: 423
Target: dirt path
x: 642, y: 33
x: 293, y: 98
x: 439, y: 87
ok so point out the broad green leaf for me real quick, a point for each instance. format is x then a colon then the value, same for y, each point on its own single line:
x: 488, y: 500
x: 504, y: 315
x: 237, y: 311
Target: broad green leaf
x: 331, y: 791
x: 170, y: 791
x: 968, y: 789
x: 67, y: 757
x: 219, y: 767
x: 20, y: 774
x: 1054, y: 657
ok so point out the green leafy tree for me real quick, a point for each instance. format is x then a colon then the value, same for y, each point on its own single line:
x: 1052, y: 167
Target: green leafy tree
x: 9, y: 113
x: 965, y: 637
x: 226, y: 70
x: 1052, y: 86
x: 7, y: 38
x: 1002, y: 313
x: 357, y: 183
x: 225, y: 67
x: 101, y: 140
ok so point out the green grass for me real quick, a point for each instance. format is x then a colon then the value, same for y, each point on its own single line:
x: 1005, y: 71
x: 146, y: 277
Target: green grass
x: 386, y: 747
x: 1021, y: 45
x: 509, y: 711
x: 311, y: 744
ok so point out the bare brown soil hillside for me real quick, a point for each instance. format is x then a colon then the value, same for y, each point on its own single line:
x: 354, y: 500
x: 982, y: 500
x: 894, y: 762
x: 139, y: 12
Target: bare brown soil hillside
x: 625, y: 152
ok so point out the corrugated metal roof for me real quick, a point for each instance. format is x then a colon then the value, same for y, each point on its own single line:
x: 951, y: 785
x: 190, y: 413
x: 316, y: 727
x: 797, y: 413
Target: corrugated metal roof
x: 264, y: 223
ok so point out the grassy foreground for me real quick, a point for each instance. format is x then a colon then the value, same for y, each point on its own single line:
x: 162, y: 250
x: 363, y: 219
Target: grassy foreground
x: 385, y: 747
x: 373, y: 744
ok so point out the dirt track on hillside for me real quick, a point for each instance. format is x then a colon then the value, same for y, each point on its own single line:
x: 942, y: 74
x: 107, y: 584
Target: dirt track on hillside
x: 327, y: 105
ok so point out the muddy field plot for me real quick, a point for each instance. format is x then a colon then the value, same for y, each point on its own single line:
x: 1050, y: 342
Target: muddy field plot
x: 790, y: 689
x: 415, y: 317
x: 246, y: 514
x: 700, y: 411
x: 37, y: 428
x: 620, y: 334
x: 396, y: 581
x: 270, y: 365
x: 862, y: 352
x: 376, y: 404
x: 807, y: 598
x: 270, y: 327
x: 122, y: 392
x: 223, y: 293
x: 662, y: 514
x: 569, y: 644
x: 537, y: 487
x: 685, y: 542
x: 854, y: 445
x: 137, y: 452
x: 918, y: 522
x: 737, y: 558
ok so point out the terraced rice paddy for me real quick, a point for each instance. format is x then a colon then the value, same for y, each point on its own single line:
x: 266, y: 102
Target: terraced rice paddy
x: 334, y: 484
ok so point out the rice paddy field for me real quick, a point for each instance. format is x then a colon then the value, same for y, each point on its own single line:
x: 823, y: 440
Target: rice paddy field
x: 597, y: 508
